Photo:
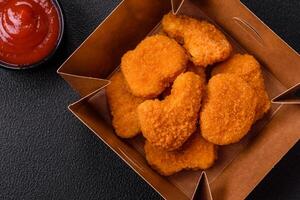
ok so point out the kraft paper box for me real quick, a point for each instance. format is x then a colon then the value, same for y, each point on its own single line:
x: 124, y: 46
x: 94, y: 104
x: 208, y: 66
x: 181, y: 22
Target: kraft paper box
x: 241, y: 166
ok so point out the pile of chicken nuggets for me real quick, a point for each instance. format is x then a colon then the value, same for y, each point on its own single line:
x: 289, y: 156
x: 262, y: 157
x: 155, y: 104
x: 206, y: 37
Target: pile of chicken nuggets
x: 165, y: 92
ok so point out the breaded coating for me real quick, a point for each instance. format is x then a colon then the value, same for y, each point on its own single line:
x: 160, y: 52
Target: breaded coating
x: 248, y: 68
x: 153, y: 65
x: 228, y: 109
x: 169, y: 123
x: 197, y: 70
x: 202, y: 40
x: 123, y: 107
x: 195, y: 154
x: 200, y: 71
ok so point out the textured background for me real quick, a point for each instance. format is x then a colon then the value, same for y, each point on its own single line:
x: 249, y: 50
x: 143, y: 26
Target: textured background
x: 45, y: 153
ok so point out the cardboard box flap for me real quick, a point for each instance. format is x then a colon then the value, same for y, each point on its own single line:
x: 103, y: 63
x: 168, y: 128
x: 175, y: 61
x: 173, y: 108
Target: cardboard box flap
x: 290, y: 96
x: 176, y: 5
x: 202, y: 191
x: 82, y: 84
x: 101, y: 52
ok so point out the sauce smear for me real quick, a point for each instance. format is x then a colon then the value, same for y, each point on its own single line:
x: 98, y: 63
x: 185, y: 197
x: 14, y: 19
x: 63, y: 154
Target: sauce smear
x: 29, y: 31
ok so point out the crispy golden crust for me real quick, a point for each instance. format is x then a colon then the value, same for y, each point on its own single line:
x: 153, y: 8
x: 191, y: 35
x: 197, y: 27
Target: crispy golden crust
x: 200, y: 71
x: 153, y: 65
x: 123, y: 107
x: 204, y: 42
x: 195, y: 154
x: 248, y: 68
x: 228, y: 109
x: 169, y: 123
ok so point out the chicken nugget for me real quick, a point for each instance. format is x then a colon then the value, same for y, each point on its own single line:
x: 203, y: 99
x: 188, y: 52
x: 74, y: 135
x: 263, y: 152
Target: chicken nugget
x: 123, y: 107
x: 248, y: 68
x: 197, y: 70
x: 200, y: 71
x: 153, y: 65
x: 196, y: 153
x: 202, y: 40
x: 228, y: 109
x: 169, y: 123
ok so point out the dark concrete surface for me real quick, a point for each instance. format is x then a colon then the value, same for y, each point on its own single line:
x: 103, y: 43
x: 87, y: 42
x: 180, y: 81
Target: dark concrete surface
x: 45, y: 153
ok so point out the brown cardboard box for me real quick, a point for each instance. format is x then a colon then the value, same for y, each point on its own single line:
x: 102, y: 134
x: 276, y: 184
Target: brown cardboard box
x: 240, y: 166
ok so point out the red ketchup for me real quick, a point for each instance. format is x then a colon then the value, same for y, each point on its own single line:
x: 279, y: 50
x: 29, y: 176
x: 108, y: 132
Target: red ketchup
x: 29, y: 31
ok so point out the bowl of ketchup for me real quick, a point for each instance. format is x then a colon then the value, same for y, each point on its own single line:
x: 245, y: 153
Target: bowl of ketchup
x: 30, y: 32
